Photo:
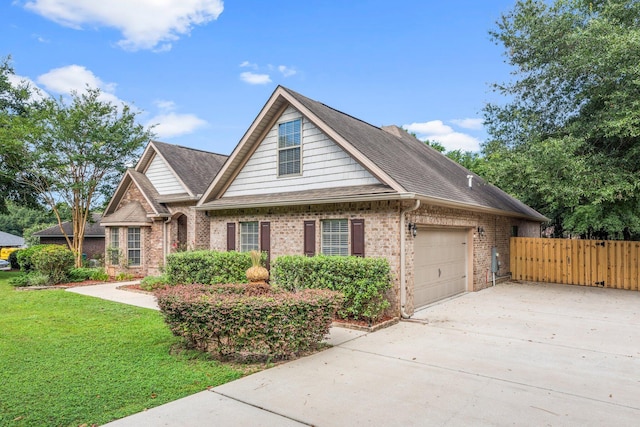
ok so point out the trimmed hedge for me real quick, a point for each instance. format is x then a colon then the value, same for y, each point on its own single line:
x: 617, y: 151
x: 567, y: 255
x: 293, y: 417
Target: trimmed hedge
x: 207, y: 267
x: 363, y: 281
x: 24, y: 257
x: 248, y: 321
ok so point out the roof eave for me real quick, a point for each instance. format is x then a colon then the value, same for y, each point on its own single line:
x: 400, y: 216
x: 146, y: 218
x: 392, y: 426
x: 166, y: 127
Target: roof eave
x: 345, y: 199
x: 478, y: 208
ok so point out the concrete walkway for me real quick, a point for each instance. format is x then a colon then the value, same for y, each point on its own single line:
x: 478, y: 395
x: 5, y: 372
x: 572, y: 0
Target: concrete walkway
x: 516, y: 354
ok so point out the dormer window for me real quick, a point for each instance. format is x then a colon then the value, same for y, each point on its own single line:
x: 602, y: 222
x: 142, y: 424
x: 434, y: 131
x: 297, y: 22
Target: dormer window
x: 289, y: 139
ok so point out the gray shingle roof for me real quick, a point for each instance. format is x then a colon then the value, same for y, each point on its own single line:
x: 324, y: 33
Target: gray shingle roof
x: 196, y: 168
x: 92, y: 229
x: 149, y: 190
x: 415, y: 166
x: 10, y: 240
x: 131, y: 213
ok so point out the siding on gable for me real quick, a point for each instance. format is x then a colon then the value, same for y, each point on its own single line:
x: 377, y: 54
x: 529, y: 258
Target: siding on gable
x: 162, y: 178
x: 324, y: 165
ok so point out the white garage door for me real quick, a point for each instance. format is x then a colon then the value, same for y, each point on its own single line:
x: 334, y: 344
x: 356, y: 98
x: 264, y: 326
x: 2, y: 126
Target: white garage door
x: 440, y: 264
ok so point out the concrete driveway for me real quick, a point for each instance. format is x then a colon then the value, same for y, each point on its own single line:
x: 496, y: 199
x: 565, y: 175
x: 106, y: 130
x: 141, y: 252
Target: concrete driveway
x: 516, y: 354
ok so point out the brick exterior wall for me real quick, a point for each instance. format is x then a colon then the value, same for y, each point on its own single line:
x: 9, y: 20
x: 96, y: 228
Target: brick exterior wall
x: 158, y: 238
x: 382, y: 238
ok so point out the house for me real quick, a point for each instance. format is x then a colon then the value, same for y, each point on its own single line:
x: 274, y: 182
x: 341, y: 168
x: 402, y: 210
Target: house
x: 10, y: 241
x: 93, y: 245
x: 152, y: 211
x: 308, y: 179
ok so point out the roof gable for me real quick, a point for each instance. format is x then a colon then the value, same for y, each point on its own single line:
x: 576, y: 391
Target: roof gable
x: 406, y: 165
x: 323, y: 164
x: 194, y: 169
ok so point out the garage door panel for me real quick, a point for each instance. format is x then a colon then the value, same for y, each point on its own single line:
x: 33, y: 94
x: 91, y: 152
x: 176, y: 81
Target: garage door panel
x: 440, y: 264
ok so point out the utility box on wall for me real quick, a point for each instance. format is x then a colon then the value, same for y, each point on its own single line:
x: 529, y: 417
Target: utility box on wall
x: 495, y: 260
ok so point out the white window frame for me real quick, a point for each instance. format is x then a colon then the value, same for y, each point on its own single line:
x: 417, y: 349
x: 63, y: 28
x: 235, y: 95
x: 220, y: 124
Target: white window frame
x: 334, y: 236
x: 249, y: 236
x: 134, y: 246
x: 290, y: 142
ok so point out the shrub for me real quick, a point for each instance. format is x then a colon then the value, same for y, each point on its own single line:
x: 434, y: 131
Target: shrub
x: 13, y: 259
x: 207, y: 267
x: 232, y: 321
x: 24, y: 257
x: 20, y: 280
x: 152, y: 283
x: 36, y: 278
x: 363, y: 281
x: 123, y: 277
x: 80, y: 274
x: 53, y: 260
x: 99, y: 274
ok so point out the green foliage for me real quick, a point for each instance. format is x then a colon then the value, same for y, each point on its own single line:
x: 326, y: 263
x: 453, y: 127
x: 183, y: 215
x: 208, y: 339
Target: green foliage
x: 15, y: 106
x: 13, y: 260
x: 24, y: 221
x: 99, y: 274
x: 123, y: 277
x: 24, y: 257
x: 84, y: 273
x: 207, y: 267
x: 245, y: 322
x: 363, y: 281
x: 568, y: 140
x: 75, y: 153
x: 152, y: 283
x: 97, y: 360
x: 55, y: 261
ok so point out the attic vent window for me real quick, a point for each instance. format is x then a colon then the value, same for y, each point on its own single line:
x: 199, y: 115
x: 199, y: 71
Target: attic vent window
x: 289, y: 138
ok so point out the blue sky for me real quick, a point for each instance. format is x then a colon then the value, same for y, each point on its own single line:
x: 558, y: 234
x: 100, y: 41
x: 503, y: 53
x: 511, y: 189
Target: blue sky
x: 203, y: 69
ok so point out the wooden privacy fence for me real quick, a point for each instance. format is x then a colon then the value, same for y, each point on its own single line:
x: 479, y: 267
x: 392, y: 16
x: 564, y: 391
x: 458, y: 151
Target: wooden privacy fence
x: 605, y: 263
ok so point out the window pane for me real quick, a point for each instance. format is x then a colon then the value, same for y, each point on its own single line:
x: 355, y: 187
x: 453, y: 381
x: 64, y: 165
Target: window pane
x: 248, y: 236
x: 114, y: 254
x: 289, y: 134
x: 133, y: 246
x: 289, y: 161
x: 335, y: 237
x: 289, y: 140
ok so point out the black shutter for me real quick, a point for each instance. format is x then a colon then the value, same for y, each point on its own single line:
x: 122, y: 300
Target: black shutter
x: 357, y: 237
x: 309, y: 238
x: 231, y: 236
x: 265, y: 241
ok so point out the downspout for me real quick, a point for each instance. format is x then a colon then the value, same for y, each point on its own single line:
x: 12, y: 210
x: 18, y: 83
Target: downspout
x: 403, y: 257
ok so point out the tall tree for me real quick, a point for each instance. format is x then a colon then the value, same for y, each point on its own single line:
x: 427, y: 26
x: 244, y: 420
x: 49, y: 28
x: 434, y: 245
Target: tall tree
x: 568, y: 140
x: 78, y: 150
x: 15, y: 103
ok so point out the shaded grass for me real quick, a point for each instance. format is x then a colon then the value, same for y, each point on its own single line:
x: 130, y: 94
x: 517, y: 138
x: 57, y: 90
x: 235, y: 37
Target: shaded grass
x: 68, y: 359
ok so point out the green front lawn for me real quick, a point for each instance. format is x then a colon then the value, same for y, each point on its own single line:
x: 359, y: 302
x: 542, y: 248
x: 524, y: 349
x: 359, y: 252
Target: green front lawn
x: 68, y: 359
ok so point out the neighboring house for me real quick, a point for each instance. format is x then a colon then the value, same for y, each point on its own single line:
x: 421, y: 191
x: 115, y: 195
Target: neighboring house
x: 308, y: 179
x: 10, y: 241
x: 93, y: 245
x: 152, y: 211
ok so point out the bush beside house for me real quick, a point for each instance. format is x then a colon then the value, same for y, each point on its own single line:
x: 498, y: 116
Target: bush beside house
x: 248, y: 322
x: 363, y: 281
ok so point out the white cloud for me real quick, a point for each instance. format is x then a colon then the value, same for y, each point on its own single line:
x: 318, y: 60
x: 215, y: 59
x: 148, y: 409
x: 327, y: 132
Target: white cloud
x: 37, y: 94
x: 469, y: 123
x: 248, y: 64
x: 286, y: 71
x: 169, y: 124
x: 172, y: 124
x: 436, y: 130
x: 144, y: 24
x: 255, y: 78
x: 70, y: 78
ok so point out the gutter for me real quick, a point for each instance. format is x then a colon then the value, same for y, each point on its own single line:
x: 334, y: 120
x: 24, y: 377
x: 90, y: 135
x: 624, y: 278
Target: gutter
x: 403, y: 257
